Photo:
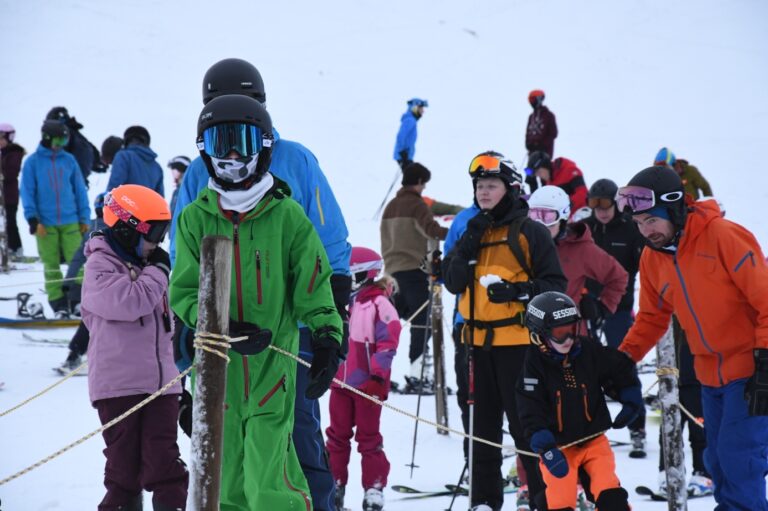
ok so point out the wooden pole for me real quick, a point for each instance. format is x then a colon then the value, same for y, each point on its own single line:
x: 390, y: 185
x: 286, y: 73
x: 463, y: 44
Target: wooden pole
x: 671, y: 430
x: 210, y: 380
x: 438, y: 343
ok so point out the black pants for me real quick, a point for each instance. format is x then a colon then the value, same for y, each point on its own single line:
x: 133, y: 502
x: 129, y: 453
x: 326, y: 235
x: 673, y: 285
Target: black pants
x: 462, y: 382
x: 496, y: 372
x: 79, y: 342
x: 413, y: 292
x: 690, y: 398
x: 11, y: 227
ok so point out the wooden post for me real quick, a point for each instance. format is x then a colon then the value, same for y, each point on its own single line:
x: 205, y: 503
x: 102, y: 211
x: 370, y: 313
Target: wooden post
x: 210, y: 380
x: 438, y: 343
x: 671, y: 431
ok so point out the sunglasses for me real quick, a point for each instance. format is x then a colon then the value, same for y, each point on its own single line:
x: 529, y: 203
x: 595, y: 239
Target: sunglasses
x: 600, y: 203
x: 560, y: 334
x: 639, y: 199
x: 153, y: 231
x: 246, y: 139
x: 544, y: 215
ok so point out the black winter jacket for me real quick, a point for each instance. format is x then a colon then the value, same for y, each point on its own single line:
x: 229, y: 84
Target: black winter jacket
x: 566, y: 394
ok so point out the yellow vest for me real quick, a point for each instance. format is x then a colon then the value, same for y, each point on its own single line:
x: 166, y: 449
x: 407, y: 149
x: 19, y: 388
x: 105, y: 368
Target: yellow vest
x: 496, y: 258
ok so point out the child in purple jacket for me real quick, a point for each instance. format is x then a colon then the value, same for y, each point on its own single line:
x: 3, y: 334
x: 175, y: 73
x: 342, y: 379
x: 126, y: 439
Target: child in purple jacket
x: 130, y: 354
x: 374, y: 332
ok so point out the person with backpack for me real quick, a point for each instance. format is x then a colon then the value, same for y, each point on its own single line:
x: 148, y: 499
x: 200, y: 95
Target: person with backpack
x: 281, y: 275
x: 542, y: 170
x: 56, y: 207
x: 405, y: 143
x: 11, y: 155
x: 86, y: 154
x: 541, y: 131
x: 136, y: 163
x: 500, y: 262
x: 374, y: 333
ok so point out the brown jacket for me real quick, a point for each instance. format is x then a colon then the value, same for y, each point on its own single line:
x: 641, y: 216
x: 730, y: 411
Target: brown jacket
x: 406, y: 225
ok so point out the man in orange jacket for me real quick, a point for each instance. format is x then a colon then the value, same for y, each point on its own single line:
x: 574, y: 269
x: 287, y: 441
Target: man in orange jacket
x: 712, y: 275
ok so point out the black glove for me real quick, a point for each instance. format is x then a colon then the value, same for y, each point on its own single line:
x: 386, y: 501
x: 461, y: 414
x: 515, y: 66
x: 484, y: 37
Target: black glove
x: 161, y: 259
x: 183, y: 344
x: 257, y: 341
x: 505, y: 291
x: 632, y: 399
x: 436, y: 263
x: 592, y: 309
x: 325, y: 362
x: 32, y: 225
x: 756, y: 389
x: 185, y: 412
x: 469, y: 244
x: 341, y: 287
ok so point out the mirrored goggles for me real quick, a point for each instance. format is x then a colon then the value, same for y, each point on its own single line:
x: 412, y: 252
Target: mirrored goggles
x: 60, y: 140
x: 246, y: 139
x: 600, y: 202
x: 560, y: 334
x: 544, y: 215
x: 639, y: 199
x: 153, y: 231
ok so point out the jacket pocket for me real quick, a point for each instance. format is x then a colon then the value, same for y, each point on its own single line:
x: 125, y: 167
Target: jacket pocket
x: 258, y: 277
x: 585, y: 398
x: 315, y: 273
x: 559, y: 399
x: 270, y: 394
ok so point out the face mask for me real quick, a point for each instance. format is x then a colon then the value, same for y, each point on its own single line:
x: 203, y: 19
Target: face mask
x: 235, y: 171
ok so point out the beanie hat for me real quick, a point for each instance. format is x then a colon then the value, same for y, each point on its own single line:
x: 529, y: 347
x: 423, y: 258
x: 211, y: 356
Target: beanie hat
x: 415, y: 174
x: 136, y: 134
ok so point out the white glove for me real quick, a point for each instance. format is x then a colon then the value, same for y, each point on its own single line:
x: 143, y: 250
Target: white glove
x: 487, y: 280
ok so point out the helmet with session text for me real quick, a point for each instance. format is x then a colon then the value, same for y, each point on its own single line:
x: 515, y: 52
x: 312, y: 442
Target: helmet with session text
x: 547, y: 312
x: 233, y: 76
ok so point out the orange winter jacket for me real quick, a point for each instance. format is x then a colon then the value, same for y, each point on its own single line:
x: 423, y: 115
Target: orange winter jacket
x: 717, y: 286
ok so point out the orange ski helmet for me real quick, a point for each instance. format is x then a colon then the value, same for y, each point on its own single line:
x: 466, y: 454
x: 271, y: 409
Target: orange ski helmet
x: 134, y: 211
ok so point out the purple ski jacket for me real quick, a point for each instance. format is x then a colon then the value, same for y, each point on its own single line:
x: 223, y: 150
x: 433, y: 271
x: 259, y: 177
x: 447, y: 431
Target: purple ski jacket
x: 130, y: 351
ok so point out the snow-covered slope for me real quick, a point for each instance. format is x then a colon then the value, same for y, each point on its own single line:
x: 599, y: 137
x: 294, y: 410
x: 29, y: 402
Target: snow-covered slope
x: 623, y: 78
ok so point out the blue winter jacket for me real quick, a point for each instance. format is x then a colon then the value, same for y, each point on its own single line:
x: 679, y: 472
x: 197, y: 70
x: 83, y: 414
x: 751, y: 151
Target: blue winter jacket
x: 53, y: 189
x: 458, y: 226
x: 136, y: 165
x: 297, y: 166
x: 406, y: 137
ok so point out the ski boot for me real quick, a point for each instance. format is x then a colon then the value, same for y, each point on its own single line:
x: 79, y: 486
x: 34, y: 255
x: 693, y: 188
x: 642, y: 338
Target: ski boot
x: 373, y: 500
x: 339, y: 501
x: 638, y: 443
x: 72, y: 362
x: 700, y: 484
x: 523, y: 503
x: 416, y: 386
x: 662, y: 484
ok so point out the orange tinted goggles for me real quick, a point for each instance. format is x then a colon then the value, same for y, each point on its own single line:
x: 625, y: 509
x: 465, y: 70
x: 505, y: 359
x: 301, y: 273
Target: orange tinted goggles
x: 599, y: 202
x: 484, y: 163
x: 561, y: 334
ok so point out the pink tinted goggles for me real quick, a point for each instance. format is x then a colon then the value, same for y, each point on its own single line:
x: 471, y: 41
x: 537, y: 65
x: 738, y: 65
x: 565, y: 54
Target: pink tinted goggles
x: 545, y: 216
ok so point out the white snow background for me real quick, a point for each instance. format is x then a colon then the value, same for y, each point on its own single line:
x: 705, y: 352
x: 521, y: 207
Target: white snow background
x: 623, y: 78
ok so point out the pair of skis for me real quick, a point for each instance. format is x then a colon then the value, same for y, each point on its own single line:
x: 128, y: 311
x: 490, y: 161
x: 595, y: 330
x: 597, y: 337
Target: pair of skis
x: 449, y: 490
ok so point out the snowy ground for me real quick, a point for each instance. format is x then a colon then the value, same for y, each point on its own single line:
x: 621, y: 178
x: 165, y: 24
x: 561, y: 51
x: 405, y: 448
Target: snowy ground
x: 623, y: 78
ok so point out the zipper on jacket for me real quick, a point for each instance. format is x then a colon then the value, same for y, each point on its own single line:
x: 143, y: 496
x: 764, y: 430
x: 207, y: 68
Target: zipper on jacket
x: 157, y: 351
x: 258, y: 277
x: 239, y: 291
x: 314, y: 276
x: 307, y: 500
x: 268, y: 395
x: 696, y: 320
x: 559, y: 412
x: 56, y: 188
x: 166, y: 314
x: 586, y: 402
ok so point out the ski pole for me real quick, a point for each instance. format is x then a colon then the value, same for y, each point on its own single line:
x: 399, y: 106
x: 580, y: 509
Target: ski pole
x: 458, y: 484
x: 427, y: 328
x: 471, y: 375
x: 384, y: 202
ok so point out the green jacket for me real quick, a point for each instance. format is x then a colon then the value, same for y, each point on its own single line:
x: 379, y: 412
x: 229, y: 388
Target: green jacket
x: 694, y: 183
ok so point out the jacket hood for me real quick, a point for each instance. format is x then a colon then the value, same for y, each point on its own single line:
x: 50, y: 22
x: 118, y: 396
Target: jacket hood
x: 519, y: 208
x: 700, y: 214
x: 143, y: 152
x: 577, y: 233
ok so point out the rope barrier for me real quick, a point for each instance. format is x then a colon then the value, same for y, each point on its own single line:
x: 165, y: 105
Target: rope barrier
x: 46, y: 389
x: 674, y: 371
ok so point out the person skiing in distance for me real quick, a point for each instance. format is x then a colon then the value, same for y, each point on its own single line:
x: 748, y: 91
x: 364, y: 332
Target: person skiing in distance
x: 500, y: 337
x: 617, y: 234
x: 694, y: 182
x: 694, y: 254
x: 56, y: 207
x: 125, y: 308
x: 405, y: 142
x: 295, y: 165
x: 560, y: 400
x: 178, y: 166
x: 407, y: 224
x: 374, y: 332
x: 11, y: 155
x: 542, y: 170
x: 282, y: 276
x: 136, y: 163
x: 541, y: 131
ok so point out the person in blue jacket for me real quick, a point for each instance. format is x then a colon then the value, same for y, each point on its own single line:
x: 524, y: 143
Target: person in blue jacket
x: 136, y: 163
x: 297, y: 166
x: 405, y: 144
x: 56, y: 206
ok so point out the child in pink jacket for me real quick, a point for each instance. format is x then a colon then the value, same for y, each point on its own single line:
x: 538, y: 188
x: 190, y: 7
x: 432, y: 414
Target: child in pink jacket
x: 374, y: 332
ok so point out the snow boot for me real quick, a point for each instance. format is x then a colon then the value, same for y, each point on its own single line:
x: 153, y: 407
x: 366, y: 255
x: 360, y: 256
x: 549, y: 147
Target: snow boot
x: 700, y: 484
x: 613, y: 499
x: 373, y: 500
x: 72, y: 362
x: 638, y: 443
x: 339, y: 502
x: 416, y: 386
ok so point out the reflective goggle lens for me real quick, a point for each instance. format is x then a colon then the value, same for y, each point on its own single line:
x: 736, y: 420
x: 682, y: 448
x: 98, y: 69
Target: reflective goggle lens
x: 560, y: 334
x: 599, y: 202
x: 636, y: 198
x: 545, y: 216
x: 157, y: 231
x: 220, y: 140
x: 485, y: 164
x: 60, y: 141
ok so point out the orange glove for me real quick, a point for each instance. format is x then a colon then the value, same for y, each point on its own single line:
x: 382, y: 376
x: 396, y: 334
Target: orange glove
x: 84, y: 228
x: 40, y: 230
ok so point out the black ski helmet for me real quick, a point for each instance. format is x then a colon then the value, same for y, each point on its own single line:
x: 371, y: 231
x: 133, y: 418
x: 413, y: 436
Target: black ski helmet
x: 53, y: 129
x: 603, y: 189
x: 539, y: 159
x: 236, y: 108
x: 136, y: 135
x: 548, y: 310
x: 233, y: 76
x: 504, y: 170
x: 667, y: 190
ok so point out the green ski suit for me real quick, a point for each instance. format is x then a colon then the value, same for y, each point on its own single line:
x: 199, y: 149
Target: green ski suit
x: 280, y: 275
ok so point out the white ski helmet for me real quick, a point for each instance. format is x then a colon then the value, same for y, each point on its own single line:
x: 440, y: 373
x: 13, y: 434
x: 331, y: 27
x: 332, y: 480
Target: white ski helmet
x: 554, y: 198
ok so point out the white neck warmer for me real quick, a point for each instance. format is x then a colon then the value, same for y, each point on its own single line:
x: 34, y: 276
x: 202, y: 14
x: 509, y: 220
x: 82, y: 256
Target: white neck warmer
x: 242, y: 201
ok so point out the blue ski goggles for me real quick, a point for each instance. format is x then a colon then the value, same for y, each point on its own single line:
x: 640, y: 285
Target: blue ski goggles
x: 246, y: 139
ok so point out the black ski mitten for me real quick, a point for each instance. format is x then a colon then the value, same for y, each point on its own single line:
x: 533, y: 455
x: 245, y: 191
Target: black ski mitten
x: 325, y: 362
x: 257, y: 338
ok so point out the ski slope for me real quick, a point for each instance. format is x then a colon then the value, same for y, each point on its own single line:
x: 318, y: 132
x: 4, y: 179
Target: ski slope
x: 623, y: 79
